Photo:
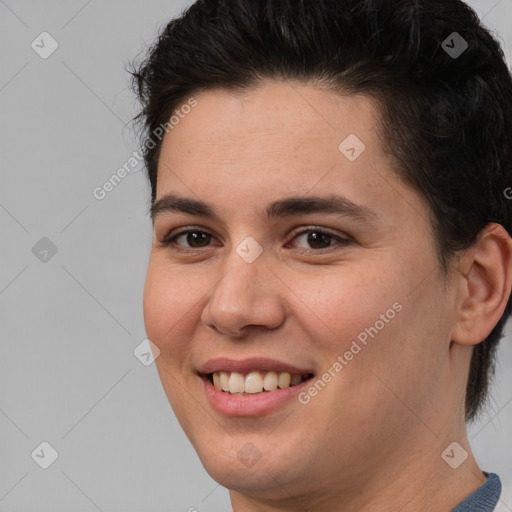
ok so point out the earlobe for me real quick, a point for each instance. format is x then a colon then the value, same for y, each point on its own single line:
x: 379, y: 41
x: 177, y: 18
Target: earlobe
x: 486, y: 285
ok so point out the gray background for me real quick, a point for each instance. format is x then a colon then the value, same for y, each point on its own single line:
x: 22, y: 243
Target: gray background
x: 69, y: 325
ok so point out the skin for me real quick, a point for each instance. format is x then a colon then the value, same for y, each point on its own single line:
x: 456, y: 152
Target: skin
x: 372, y: 439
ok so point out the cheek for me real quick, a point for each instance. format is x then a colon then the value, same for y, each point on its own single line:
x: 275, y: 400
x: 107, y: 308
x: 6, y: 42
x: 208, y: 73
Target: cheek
x: 170, y: 302
x: 402, y: 360
x: 341, y: 306
x: 369, y: 317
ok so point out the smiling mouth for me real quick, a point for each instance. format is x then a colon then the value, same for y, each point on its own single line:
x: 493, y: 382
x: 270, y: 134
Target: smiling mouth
x: 255, y: 382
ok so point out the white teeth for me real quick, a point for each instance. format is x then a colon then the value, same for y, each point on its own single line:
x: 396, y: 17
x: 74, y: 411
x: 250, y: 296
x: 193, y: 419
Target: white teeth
x: 224, y: 381
x: 236, y: 383
x: 283, y: 380
x: 254, y: 382
x: 270, y: 381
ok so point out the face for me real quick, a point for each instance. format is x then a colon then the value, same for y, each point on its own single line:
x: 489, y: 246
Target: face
x: 346, y: 296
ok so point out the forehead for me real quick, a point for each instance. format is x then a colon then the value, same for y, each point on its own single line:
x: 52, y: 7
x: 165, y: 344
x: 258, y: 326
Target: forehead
x: 280, y: 129
x: 300, y: 113
x: 280, y: 139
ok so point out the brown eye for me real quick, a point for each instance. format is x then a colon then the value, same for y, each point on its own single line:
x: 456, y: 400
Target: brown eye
x: 195, y: 239
x: 318, y: 239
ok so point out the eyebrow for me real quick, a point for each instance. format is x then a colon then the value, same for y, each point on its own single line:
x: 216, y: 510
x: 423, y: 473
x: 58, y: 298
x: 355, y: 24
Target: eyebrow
x: 288, y: 207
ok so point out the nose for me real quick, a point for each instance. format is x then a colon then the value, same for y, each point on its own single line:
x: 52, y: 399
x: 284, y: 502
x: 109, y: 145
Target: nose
x: 245, y: 296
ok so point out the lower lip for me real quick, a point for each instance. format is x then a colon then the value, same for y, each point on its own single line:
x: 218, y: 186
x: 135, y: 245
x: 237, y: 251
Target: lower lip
x: 256, y: 404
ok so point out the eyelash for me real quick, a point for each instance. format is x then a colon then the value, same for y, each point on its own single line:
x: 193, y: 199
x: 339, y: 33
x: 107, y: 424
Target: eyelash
x: 170, y: 239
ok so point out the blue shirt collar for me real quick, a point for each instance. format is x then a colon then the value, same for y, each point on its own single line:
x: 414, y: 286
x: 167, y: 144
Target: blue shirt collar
x: 484, y: 499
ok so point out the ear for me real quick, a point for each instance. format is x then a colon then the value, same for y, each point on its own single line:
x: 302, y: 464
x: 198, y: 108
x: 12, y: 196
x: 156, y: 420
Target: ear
x: 485, y: 285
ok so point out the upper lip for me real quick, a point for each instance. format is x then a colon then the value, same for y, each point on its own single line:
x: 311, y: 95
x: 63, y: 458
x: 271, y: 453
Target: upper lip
x: 253, y: 363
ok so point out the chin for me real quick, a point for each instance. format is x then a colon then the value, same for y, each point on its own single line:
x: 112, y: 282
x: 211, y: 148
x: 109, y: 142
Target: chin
x: 258, y: 479
x: 248, y: 469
